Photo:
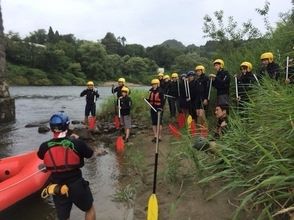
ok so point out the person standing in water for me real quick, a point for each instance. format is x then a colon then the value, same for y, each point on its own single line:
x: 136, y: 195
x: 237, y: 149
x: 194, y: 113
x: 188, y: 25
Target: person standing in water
x: 91, y: 96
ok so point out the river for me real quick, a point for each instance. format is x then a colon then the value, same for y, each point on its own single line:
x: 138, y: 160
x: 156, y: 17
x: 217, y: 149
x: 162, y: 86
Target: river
x: 38, y: 104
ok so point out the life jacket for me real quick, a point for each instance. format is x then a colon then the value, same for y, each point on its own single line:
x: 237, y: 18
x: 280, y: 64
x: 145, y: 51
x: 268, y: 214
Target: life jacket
x: 61, y: 156
x: 154, y: 98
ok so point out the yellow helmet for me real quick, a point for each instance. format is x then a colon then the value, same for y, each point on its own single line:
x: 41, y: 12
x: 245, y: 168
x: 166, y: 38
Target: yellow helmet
x: 166, y: 77
x: 90, y: 83
x: 121, y: 80
x: 160, y: 75
x: 248, y: 65
x: 175, y: 75
x: 200, y: 67
x: 155, y: 81
x: 220, y: 61
x: 267, y: 55
x: 125, y: 89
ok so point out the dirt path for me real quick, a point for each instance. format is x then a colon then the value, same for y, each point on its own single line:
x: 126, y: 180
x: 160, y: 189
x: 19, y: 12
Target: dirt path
x: 181, y: 201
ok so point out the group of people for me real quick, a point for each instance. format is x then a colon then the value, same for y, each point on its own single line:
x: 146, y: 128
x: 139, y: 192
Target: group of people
x: 188, y: 93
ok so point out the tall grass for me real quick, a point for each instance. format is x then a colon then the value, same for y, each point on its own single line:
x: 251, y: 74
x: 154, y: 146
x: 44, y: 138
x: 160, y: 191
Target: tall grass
x: 139, y: 111
x: 256, y: 155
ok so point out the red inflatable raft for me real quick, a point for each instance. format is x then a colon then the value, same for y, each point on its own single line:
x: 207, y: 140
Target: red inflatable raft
x: 20, y: 176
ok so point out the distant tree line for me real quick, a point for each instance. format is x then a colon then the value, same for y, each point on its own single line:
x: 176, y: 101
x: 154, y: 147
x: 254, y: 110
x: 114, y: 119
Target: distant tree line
x: 50, y: 58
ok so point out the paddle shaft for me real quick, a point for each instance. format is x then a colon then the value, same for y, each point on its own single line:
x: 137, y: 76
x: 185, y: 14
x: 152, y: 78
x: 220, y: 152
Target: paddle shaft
x: 287, y: 69
x: 118, y: 105
x: 178, y: 84
x: 150, y: 105
x: 256, y: 79
x: 209, y: 91
x: 236, y: 84
x: 156, y: 152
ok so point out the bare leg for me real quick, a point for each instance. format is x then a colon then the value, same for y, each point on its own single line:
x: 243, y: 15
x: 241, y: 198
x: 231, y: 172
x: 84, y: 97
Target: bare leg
x: 127, y: 133
x: 160, y: 129
x: 154, y: 130
x: 90, y: 214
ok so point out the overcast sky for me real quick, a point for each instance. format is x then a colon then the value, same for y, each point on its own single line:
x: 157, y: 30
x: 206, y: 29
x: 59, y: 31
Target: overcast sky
x: 147, y: 22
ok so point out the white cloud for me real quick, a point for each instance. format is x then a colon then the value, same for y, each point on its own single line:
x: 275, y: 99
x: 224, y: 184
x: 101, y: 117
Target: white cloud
x: 147, y: 22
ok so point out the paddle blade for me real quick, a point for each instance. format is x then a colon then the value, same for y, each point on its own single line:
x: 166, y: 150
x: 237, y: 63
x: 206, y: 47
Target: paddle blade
x: 174, y: 131
x: 189, y: 121
x: 92, y: 122
x: 116, y: 122
x: 181, y: 120
x: 120, y: 145
x: 193, y: 128
x: 152, y: 213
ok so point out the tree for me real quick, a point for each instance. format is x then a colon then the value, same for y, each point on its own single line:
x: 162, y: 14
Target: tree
x: 163, y: 56
x: 135, y: 50
x: 39, y: 37
x: 51, y: 35
x: 92, y: 57
x: 186, y: 62
x: 112, y: 45
x: 216, y: 30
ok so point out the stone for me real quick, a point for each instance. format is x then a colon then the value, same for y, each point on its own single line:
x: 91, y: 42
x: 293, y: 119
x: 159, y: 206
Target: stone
x: 7, y: 109
x: 75, y: 122
x: 43, y: 129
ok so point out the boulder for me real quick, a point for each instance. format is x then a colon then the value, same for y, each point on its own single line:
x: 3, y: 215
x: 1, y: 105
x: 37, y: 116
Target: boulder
x: 43, y: 129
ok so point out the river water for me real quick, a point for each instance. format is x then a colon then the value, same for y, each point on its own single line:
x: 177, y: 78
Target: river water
x: 35, y: 104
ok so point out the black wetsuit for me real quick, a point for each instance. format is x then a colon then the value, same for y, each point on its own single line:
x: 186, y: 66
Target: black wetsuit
x: 91, y: 96
x: 272, y: 70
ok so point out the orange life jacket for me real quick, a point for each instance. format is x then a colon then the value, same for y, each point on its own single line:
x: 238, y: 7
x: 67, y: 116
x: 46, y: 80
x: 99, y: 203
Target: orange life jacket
x: 61, y: 156
x: 154, y: 98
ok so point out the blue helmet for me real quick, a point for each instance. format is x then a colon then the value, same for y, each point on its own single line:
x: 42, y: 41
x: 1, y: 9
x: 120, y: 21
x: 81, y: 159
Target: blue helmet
x: 59, y: 121
x: 191, y: 73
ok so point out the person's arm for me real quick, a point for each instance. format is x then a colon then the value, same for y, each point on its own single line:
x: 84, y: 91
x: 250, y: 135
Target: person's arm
x: 97, y: 94
x: 114, y: 90
x: 42, y: 150
x: 83, y: 93
x: 130, y: 103
x: 83, y: 149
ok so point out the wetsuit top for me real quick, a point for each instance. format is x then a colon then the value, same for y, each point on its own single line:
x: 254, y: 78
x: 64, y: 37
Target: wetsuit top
x: 222, y: 82
x: 202, y: 87
x: 272, y: 69
x: 173, y: 89
x: 220, y: 129
x: 125, y: 104
x: 245, y: 83
x: 91, y: 95
x: 80, y: 148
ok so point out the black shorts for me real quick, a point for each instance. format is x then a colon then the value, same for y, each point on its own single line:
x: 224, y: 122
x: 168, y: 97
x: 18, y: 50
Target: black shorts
x: 79, y: 194
x: 90, y: 108
x: 154, y: 117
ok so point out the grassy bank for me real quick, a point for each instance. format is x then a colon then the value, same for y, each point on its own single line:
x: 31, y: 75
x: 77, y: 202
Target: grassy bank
x: 139, y: 110
x: 254, y: 160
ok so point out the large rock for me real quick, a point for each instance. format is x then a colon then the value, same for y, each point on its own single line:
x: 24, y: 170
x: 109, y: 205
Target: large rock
x: 7, y: 109
x: 43, y: 129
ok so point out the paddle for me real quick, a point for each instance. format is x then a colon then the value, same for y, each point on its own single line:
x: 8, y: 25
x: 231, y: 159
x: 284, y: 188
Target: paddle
x: 152, y: 213
x: 287, y: 69
x: 174, y: 131
x: 181, y: 120
x: 237, y: 92
x: 119, y: 141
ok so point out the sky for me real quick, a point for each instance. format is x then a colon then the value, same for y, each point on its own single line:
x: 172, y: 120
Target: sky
x: 146, y: 22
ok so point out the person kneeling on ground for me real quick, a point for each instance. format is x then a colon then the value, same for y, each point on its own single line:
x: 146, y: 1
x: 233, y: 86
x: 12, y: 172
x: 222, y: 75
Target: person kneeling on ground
x: 64, y: 157
x: 156, y: 99
x: 125, y: 108
x: 221, y: 114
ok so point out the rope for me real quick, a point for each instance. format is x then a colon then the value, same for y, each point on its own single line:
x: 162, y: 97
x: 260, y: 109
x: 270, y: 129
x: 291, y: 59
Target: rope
x: 24, y: 179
